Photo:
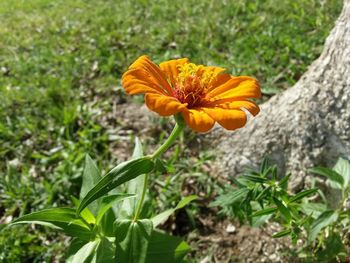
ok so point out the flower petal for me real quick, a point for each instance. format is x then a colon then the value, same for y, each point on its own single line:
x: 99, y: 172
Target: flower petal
x: 163, y: 105
x: 137, y: 81
x: 171, y: 70
x: 250, y: 106
x: 198, y: 120
x: 155, y: 73
x: 236, y: 88
x: 219, y: 80
x: 229, y: 119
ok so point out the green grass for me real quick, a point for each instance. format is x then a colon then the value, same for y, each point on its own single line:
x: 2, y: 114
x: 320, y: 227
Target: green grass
x: 60, y: 65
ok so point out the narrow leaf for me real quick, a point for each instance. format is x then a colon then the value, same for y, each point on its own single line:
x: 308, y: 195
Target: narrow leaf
x: 64, y: 219
x: 263, y: 193
x: 104, y: 252
x: 284, y: 181
x: 325, y: 219
x: 84, y: 253
x: 264, y: 165
x: 85, y: 214
x: 138, y: 151
x: 74, y: 246
x: 162, y: 217
x: 108, y: 201
x: 284, y: 210
x: 120, y: 174
x: 265, y: 211
x: 282, y: 233
x: 128, y: 207
x: 132, y: 239
x: 314, y: 209
x: 230, y: 198
x: 342, y: 167
x: 91, y: 176
x: 165, y: 248
x: 329, y: 173
x: 255, y: 179
x: 302, y: 194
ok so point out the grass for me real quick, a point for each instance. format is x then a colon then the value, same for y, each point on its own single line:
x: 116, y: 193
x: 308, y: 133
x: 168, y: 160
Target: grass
x: 60, y: 65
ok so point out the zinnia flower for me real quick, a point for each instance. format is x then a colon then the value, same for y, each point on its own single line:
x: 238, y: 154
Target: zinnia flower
x: 202, y: 94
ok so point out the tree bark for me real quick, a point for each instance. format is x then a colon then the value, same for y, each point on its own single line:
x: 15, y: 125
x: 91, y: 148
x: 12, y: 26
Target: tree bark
x: 305, y: 126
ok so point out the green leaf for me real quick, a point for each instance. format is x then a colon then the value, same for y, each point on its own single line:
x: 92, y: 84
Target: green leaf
x: 342, y: 167
x: 64, y: 219
x: 165, y: 248
x: 230, y: 198
x: 85, y: 214
x: 128, y: 207
x: 263, y: 193
x: 91, y: 176
x: 108, y: 201
x: 255, y: 179
x: 132, y: 240
x: 282, y: 233
x: 85, y: 253
x: 284, y: 181
x: 314, y: 209
x: 266, y: 211
x: 264, y: 165
x: 333, y: 247
x: 325, y: 219
x: 138, y: 151
x: 105, y: 252
x: 283, y: 209
x: 74, y: 246
x: 330, y: 174
x: 120, y: 174
x: 107, y: 223
x: 302, y: 194
x: 162, y: 217
x: 257, y: 221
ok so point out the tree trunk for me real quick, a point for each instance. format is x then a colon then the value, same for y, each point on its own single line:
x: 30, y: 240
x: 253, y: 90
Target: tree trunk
x: 305, y: 126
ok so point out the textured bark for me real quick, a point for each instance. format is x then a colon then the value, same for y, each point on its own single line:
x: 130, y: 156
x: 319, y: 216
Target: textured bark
x: 307, y: 125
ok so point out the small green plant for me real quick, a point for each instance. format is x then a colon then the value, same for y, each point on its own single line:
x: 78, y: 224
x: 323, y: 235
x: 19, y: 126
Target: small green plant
x: 113, y: 227
x: 323, y: 227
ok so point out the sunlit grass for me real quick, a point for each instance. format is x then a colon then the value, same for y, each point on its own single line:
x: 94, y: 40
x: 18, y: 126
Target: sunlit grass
x: 60, y: 65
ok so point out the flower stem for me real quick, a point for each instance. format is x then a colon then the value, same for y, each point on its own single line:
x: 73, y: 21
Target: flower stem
x: 172, y: 137
x: 143, y: 194
x: 174, y: 134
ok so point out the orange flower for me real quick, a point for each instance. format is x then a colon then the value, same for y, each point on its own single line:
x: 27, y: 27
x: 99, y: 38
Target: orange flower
x: 203, y: 94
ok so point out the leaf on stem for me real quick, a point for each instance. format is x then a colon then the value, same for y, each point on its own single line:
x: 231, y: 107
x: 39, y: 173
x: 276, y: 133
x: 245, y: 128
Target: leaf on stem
x: 132, y: 239
x: 342, y: 167
x: 332, y: 175
x: 84, y: 253
x: 120, y: 174
x: 165, y: 248
x: 282, y: 233
x: 162, y: 217
x: 266, y: 211
x: 108, y: 201
x: 128, y: 207
x: 64, y: 219
x: 231, y: 197
x: 283, y: 209
x: 325, y: 219
x: 91, y: 176
x: 302, y: 194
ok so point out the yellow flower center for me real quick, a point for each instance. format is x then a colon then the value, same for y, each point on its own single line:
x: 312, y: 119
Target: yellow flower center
x: 192, y: 83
